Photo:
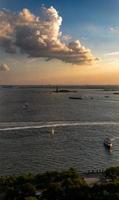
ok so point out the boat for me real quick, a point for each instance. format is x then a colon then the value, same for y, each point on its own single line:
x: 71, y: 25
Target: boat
x: 53, y: 131
x: 80, y: 98
x: 26, y: 105
x: 108, y: 143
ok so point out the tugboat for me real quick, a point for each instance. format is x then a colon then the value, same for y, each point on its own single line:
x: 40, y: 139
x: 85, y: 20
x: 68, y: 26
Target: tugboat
x: 108, y: 143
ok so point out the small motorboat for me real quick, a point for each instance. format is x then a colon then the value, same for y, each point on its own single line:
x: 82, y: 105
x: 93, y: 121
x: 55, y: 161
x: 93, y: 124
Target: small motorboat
x: 108, y: 143
x: 26, y: 105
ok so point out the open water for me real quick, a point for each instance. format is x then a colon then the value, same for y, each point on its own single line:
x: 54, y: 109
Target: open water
x: 42, y: 130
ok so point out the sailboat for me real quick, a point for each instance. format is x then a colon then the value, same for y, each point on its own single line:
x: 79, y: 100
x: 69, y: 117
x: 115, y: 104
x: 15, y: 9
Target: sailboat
x: 53, y: 131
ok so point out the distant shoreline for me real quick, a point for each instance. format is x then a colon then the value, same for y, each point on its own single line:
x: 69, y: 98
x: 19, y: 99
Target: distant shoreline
x: 105, y: 87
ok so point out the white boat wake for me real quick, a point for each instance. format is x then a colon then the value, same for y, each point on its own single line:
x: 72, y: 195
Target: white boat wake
x: 39, y: 125
x: 115, y: 138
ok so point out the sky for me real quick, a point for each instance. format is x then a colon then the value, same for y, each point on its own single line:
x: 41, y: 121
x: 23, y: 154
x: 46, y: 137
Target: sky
x: 59, y: 42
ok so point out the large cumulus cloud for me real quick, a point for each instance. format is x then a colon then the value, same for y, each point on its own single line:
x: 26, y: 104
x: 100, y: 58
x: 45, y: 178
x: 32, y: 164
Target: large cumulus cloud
x: 40, y: 37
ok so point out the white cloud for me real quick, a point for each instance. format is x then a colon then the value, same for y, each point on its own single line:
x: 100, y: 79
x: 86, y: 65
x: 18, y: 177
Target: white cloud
x: 66, y: 37
x: 114, y: 29
x: 40, y: 37
x: 4, y: 67
x: 114, y: 53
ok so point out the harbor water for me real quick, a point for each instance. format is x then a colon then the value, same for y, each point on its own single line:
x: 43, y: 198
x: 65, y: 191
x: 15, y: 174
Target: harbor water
x: 43, y: 130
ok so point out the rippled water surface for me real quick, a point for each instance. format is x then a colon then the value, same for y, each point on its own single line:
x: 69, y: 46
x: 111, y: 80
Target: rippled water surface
x: 41, y: 130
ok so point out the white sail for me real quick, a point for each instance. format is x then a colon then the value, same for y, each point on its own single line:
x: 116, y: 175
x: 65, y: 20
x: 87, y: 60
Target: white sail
x: 53, y: 131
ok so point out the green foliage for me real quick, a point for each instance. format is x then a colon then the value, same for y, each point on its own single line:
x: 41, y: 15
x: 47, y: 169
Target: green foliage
x: 69, y: 176
x: 28, y: 189
x: 112, y: 172
x: 30, y: 198
x: 64, y: 185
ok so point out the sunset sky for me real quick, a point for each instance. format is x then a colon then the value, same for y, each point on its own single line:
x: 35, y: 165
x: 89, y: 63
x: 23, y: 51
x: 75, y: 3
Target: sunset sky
x: 59, y: 42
